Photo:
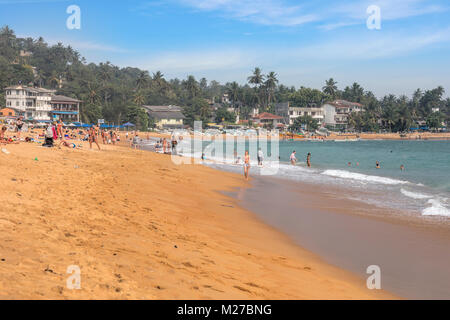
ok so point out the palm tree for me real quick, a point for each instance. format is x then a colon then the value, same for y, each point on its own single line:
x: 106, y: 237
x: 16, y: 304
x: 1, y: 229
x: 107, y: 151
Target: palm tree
x: 257, y: 79
x: 330, y: 88
x: 139, y: 99
x: 158, y: 77
x: 270, y: 84
x: 233, y: 92
x: 191, y: 86
x: 93, y: 93
x: 143, y: 80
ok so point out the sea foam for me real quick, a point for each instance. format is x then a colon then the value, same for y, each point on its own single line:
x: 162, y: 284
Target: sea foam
x: 436, y: 209
x: 362, y: 177
x: 415, y: 195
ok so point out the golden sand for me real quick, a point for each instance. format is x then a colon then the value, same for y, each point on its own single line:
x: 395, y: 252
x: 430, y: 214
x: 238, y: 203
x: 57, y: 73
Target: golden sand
x: 140, y: 227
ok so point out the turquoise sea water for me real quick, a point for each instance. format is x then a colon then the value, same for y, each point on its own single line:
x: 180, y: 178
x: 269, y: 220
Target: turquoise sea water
x: 426, y: 162
x: 423, y: 188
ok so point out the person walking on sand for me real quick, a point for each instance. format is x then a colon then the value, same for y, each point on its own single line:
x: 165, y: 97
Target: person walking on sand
x: 260, y: 157
x: 19, y: 125
x: 246, y: 165
x: 293, y: 158
x: 103, y: 136
x: 308, y: 160
x: 135, y: 141
x: 93, y: 137
x: 164, y: 143
x: 59, y: 129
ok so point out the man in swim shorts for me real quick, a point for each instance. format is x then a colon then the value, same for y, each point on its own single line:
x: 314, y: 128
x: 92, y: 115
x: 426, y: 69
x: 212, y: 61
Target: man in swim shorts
x: 293, y: 158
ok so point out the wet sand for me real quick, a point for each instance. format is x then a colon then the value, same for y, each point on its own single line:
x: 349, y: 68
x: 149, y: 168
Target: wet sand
x: 414, y: 258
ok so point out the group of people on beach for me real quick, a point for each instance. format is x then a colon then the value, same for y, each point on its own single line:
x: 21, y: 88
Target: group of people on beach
x: 56, y: 134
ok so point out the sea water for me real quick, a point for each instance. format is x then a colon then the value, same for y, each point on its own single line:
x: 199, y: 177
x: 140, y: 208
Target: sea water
x: 422, y: 188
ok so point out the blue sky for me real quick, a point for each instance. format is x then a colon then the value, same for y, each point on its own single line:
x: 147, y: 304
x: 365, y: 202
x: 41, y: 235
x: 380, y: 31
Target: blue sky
x: 304, y: 42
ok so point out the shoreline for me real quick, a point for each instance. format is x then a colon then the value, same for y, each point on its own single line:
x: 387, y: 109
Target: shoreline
x: 427, y: 136
x: 140, y: 227
x: 350, y: 235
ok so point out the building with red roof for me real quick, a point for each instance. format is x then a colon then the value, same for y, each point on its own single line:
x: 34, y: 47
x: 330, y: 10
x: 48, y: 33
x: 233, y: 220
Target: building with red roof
x: 267, y: 119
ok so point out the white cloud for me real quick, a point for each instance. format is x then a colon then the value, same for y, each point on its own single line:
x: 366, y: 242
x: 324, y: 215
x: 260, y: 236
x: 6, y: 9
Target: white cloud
x: 368, y: 46
x: 331, y: 16
x: 265, y: 12
x: 199, y: 61
x: 355, y: 12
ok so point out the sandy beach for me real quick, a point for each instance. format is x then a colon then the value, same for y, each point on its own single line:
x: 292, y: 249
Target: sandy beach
x: 140, y: 227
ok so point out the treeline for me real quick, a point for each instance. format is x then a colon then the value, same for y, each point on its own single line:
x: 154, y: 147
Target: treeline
x: 117, y: 94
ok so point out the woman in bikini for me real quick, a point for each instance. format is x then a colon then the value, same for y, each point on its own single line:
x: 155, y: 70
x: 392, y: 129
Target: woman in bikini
x: 93, y: 137
x: 246, y: 165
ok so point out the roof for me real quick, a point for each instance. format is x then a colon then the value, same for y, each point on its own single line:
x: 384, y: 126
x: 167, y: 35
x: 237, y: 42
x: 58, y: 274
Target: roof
x: 64, y: 112
x: 165, y: 112
x: 267, y: 116
x: 162, y: 108
x: 167, y: 115
x: 344, y: 104
x: 20, y: 87
x: 58, y: 98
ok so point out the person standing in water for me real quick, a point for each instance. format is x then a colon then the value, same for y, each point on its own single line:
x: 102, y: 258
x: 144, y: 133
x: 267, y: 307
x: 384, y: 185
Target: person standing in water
x: 246, y: 165
x: 378, y: 165
x: 260, y: 157
x: 308, y: 160
x: 293, y: 158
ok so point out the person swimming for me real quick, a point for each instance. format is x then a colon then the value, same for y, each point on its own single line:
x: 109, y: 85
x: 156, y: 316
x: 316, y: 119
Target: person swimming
x: 308, y: 160
x: 402, y: 167
x: 378, y: 166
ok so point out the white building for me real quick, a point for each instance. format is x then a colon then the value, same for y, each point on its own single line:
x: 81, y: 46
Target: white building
x: 336, y: 113
x: 31, y: 103
x: 315, y: 113
x: 39, y: 104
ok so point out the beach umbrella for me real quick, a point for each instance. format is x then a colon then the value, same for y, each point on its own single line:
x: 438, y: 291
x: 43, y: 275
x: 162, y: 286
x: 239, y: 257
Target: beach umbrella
x: 129, y: 124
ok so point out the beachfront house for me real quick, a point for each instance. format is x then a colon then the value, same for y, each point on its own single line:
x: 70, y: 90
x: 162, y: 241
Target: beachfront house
x: 65, y: 108
x: 166, y: 117
x: 30, y: 103
x: 39, y: 104
x: 313, y: 112
x: 336, y: 113
x: 266, y: 119
x: 7, y: 113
